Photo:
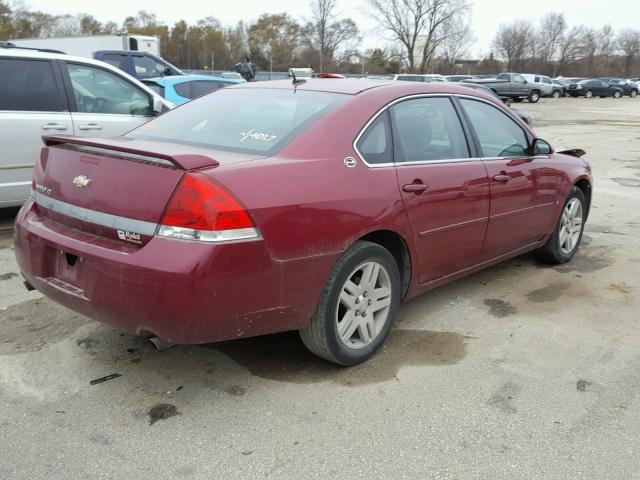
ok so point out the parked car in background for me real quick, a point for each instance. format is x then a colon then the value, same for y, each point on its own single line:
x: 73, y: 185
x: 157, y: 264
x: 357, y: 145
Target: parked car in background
x: 231, y: 76
x: 435, y: 77
x: 628, y: 87
x: 547, y: 87
x: 525, y: 116
x: 594, y: 88
x: 42, y: 93
x: 458, y: 78
x: 184, y: 88
x: 512, y: 85
x: 411, y: 77
x: 315, y: 206
x: 562, y: 85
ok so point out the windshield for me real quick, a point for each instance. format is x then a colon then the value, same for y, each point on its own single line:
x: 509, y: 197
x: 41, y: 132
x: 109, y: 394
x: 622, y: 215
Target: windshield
x: 259, y: 121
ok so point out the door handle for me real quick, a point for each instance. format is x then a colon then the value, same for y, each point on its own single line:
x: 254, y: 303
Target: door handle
x: 502, y: 178
x: 54, y: 126
x: 416, y: 187
x: 90, y: 126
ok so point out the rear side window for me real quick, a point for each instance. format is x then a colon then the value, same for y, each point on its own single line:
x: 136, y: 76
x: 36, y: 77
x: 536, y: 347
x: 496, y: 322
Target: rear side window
x: 28, y: 85
x: 375, y: 144
x: 117, y: 60
x: 148, y: 67
x: 259, y: 120
x: 499, y: 135
x: 196, y: 88
x: 427, y: 129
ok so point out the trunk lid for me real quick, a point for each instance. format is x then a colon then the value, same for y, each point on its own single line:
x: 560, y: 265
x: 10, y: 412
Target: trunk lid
x: 113, y: 188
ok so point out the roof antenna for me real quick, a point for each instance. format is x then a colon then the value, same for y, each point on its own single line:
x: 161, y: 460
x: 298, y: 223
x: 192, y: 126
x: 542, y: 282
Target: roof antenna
x: 295, y: 80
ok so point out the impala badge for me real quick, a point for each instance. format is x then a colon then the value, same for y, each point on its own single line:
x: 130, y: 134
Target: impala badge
x: 82, y: 181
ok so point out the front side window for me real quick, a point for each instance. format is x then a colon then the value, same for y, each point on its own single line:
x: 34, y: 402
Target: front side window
x: 100, y: 91
x: 519, y: 79
x: 246, y: 120
x: 148, y: 67
x: 375, y: 144
x: 28, y: 85
x: 427, y: 129
x: 499, y: 135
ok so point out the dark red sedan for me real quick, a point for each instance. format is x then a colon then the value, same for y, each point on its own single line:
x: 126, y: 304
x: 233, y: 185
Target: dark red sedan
x: 314, y: 206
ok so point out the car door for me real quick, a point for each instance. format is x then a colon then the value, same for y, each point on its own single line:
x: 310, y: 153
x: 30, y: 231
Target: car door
x: 519, y: 85
x: 444, y: 189
x: 523, y: 187
x: 105, y: 104
x: 32, y: 104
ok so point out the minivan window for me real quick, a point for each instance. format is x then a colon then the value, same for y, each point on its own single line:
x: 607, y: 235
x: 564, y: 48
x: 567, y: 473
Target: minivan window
x: 242, y: 120
x: 499, y: 135
x: 28, y: 85
x: 427, y: 129
x: 99, y: 91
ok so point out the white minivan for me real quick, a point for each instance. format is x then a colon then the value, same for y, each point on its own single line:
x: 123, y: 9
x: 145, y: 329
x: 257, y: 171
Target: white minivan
x: 45, y: 93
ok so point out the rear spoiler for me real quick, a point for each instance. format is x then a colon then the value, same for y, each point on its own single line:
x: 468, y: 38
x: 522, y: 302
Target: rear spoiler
x: 135, y: 150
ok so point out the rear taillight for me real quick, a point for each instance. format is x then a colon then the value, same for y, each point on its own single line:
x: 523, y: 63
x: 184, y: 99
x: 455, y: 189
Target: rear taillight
x: 203, y: 211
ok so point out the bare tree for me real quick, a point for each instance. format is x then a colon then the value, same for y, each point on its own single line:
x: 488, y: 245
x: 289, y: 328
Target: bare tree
x: 629, y: 41
x: 416, y: 24
x: 606, y: 45
x: 571, y: 48
x: 457, y: 40
x: 325, y: 34
x: 552, y: 29
x: 513, y: 43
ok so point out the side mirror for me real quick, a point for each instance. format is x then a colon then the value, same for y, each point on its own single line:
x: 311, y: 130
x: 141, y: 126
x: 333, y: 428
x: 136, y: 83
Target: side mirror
x: 158, y: 106
x: 540, y: 147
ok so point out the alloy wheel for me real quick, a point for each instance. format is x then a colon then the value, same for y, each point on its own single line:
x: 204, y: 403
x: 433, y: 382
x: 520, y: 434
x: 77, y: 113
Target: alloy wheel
x: 571, y: 226
x: 364, y: 305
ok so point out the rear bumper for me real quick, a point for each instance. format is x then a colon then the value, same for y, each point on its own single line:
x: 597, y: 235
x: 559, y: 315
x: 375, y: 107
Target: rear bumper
x: 183, y: 292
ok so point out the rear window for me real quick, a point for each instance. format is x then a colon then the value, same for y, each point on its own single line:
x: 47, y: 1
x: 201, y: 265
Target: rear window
x: 242, y: 120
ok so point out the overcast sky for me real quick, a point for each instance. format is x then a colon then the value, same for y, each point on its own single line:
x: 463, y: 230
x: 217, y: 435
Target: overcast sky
x: 487, y: 14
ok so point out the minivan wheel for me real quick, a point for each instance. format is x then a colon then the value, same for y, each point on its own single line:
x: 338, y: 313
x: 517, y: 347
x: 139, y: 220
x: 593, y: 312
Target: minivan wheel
x: 566, y: 237
x: 357, y: 307
x: 534, y: 96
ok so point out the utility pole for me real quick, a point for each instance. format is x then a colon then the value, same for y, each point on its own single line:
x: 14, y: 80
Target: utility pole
x: 213, y: 60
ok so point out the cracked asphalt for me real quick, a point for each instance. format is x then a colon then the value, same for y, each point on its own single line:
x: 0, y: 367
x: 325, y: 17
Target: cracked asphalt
x: 522, y: 371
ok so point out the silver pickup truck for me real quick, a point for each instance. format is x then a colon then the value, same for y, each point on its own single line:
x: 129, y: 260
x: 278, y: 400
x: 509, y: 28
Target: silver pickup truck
x: 511, y: 85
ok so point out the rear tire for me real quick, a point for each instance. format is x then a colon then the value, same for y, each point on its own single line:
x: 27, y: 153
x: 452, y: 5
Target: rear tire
x: 633, y: 93
x: 566, y: 237
x: 357, y: 307
x: 534, y: 96
x: 556, y: 94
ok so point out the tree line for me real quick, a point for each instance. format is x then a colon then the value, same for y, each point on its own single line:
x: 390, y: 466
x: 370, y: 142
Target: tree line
x: 417, y: 36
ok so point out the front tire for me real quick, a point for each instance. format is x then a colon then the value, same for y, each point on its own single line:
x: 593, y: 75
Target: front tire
x: 357, y: 307
x: 534, y: 96
x: 616, y: 94
x: 566, y: 237
x: 556, y: 94
x: 588, y: 94
x: 633, y: 93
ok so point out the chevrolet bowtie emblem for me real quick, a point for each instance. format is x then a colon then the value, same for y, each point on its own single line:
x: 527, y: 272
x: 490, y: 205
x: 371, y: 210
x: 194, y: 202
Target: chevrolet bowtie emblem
x: 81, y: 181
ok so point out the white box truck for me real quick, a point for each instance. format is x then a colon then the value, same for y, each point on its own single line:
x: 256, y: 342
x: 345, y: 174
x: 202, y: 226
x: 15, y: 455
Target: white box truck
x: 86, y: 46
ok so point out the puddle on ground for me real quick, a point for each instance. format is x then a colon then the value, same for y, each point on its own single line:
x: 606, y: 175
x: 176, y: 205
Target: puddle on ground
x: 29, y: 326
x: 283, y: 357
x: 551, y: 292
x: 504, y: 398
x: 162, y: 411
x: 499, y: 308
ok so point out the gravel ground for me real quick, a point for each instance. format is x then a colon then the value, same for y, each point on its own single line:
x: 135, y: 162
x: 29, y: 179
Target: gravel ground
x: 521, y: 371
